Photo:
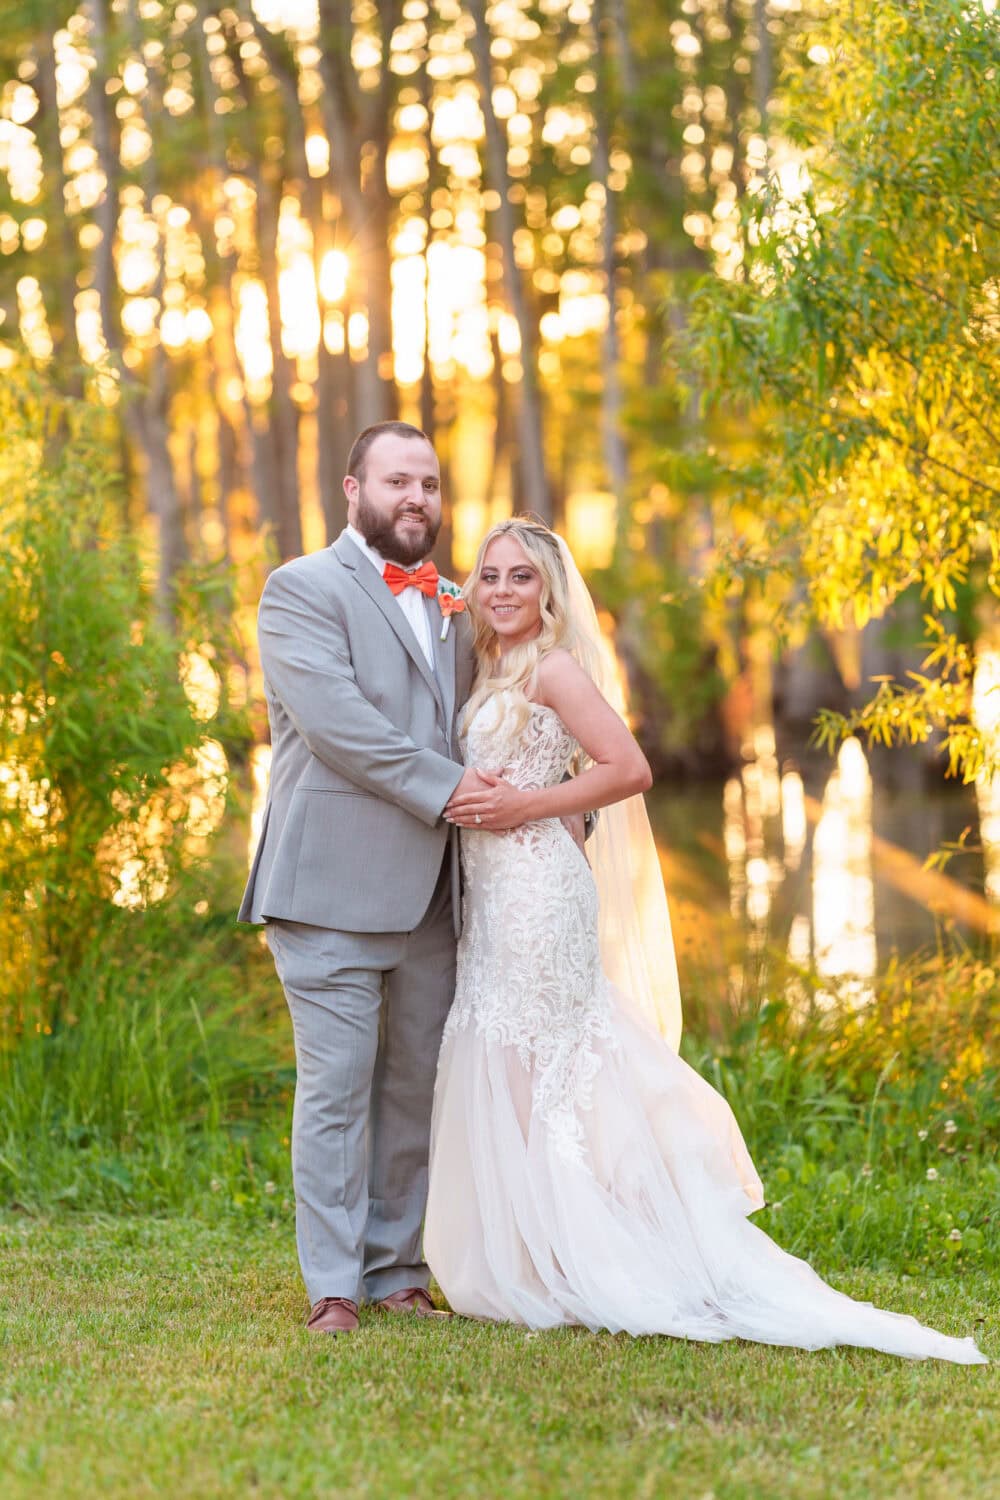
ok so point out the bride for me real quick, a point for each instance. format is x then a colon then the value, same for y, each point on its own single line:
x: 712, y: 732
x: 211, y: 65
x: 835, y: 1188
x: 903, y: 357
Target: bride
x: 580, y: 1171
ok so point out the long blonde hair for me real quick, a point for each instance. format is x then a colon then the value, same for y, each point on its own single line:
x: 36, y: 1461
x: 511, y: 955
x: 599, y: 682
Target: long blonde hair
x: 515, y: 670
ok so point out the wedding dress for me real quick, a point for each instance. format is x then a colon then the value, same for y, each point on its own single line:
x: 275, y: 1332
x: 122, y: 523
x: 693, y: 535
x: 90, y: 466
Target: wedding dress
x: 581, y: 1172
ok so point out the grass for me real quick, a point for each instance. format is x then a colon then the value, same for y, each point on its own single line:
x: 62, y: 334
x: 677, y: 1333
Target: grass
x: 166, y: 1357
x: 151, y: 1338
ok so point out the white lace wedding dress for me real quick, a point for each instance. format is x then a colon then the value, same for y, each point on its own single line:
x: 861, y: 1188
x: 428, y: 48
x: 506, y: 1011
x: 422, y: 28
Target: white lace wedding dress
x: 580, y: 1171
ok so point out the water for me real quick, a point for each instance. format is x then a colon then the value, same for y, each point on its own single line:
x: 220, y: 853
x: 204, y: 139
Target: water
x: 821, y: 860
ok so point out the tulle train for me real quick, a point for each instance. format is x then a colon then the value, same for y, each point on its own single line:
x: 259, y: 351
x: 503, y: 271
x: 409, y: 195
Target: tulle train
x: 645, y: 1231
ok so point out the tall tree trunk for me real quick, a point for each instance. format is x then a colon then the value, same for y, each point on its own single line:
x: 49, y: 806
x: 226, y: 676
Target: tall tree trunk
x: 501, y: 426
x: 261, y: 465
x: 148, y: 420
x: 735, y: 99
x: 283, y: 413
x: 531, y: 455
x: 66, y: 346
x: 145, y: 413
x: 335, y: 424
x: 356, y: 126
x: 763, y: 67
x: 333, y: 380
x: 153, y: 407
x: 612, y: 394
x: 273, y: 428
x: 106, y: 208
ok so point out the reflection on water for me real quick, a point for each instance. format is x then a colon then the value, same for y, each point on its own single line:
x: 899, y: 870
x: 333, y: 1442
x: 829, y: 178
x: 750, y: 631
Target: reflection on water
x: 986, y: 717
x: 838, y: 878
x: 843, y: 890
x: 752, y: 804
x: 794, y: 827
x: 765, y: 834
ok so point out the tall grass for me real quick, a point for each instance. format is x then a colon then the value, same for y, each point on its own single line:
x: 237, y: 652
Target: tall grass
x: 164, y: 1069
x: 876, y: 1129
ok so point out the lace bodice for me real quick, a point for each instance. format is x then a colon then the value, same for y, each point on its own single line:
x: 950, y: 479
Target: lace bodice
x: 535, y: 755
x: 529, y: 971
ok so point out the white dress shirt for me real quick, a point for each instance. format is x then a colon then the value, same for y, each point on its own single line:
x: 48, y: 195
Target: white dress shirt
x: 410, y: 600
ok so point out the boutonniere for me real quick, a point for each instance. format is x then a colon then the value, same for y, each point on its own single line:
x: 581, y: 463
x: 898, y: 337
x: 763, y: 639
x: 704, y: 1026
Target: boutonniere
x: 450, y: 602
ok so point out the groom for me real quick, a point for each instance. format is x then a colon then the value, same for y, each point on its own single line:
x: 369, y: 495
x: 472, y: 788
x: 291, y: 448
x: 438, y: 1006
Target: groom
x: 356, y: 873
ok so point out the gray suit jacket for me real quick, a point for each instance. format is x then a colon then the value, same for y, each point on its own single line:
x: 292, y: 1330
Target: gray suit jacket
x: 364, y: 749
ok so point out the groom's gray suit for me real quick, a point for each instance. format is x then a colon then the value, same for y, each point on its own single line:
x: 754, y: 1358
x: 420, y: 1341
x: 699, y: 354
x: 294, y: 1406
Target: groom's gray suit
x: 356, y: 876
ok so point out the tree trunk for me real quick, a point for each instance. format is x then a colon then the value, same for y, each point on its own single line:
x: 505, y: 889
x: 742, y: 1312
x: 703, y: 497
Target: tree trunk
x: 66, y: 346
x: 148, y: 422
x: 763, y: 67
x: 735, y: 100
x: 283, y: 413
x: 106, y: 208
x: 356, y: 126
x: 335, y: 424
x: 144, y: 413
x: 612, y: 394
x: 333, y: 382
x: 531, y: 455
x: 261, y: 463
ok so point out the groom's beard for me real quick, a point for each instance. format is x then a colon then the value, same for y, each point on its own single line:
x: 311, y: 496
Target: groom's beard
x: 380, y: 533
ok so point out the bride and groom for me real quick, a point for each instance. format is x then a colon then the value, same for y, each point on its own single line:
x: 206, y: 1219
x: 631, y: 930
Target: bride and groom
x: 515, y: 1123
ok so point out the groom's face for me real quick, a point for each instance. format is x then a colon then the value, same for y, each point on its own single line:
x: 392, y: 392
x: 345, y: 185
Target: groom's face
x: 396, y: 500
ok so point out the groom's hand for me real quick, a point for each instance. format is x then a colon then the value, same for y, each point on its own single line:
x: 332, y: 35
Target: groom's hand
x: 471, y: 783
x: 489, y: 803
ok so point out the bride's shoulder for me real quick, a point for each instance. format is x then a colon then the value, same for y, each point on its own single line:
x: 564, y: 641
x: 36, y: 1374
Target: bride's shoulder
x: 557, y: 672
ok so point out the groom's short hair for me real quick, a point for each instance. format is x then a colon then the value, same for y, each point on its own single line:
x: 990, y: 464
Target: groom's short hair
x: 359, y: 451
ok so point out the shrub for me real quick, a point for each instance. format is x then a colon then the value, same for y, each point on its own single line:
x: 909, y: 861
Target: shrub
x: 107, y: 776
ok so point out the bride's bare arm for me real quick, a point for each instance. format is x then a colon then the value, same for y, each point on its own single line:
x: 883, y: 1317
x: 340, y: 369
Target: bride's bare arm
x: 620, y: 769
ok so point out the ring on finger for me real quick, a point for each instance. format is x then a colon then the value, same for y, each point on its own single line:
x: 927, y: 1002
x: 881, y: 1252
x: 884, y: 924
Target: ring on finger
x: 479, y: 818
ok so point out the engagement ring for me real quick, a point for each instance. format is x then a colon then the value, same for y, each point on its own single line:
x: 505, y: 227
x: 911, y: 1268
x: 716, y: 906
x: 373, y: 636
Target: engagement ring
x: 478, y: 818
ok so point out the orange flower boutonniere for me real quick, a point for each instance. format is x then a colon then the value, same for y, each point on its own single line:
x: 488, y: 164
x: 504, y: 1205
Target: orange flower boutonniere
x: 450, y: 602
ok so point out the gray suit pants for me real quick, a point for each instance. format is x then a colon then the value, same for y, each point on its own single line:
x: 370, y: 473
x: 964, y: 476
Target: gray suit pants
x: 367, y: 1011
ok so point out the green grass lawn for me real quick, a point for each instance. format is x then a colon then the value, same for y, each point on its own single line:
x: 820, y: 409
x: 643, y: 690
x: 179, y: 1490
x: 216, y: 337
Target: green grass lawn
x: 167, y: 1357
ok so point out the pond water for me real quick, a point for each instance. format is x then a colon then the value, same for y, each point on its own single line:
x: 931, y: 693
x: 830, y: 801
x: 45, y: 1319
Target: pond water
x: 816, y: 857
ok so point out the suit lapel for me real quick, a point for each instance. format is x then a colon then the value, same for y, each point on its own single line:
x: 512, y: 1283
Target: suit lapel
x: 379, y: 594
x: 444, y: 656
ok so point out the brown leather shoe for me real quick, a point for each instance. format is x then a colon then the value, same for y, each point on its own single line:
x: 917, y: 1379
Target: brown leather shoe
x: 412, y: 1299
x: 333, y: 1315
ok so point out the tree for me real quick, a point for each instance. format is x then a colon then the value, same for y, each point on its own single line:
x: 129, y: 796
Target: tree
x: 865, y: 324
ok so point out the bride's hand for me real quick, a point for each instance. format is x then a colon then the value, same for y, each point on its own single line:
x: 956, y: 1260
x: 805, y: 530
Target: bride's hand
x: 495, y: 807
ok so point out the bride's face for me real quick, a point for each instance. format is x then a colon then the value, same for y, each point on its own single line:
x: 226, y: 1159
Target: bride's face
x: 509, y: 592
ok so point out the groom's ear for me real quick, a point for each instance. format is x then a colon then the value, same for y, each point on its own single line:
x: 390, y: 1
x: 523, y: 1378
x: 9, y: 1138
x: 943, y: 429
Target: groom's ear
x: 351, y: 488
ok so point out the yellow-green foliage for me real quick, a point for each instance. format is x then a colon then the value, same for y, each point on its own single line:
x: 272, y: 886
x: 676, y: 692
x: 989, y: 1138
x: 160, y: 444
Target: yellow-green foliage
x: 865, y: 325
x: 98, y: 741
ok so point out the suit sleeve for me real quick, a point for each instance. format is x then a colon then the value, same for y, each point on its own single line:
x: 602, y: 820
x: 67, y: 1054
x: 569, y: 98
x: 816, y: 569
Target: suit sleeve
x: 307, y: 663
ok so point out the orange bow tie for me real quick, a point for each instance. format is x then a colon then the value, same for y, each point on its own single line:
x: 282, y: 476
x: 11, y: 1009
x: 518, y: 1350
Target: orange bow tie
x: 424, y: 578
